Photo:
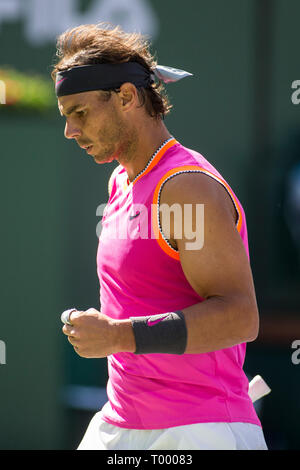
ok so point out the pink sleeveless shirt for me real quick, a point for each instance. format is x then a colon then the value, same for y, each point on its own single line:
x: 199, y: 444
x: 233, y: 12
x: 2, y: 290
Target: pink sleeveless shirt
x: 140, y: 274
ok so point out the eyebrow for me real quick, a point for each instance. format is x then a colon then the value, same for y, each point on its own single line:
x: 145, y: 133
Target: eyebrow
x: 71, y: 109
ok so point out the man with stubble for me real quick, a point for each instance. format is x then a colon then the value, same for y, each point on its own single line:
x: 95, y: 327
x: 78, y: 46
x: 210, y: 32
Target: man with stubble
x: 178, y: 304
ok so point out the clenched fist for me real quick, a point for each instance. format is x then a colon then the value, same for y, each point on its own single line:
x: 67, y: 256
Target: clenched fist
x: 95, y: 335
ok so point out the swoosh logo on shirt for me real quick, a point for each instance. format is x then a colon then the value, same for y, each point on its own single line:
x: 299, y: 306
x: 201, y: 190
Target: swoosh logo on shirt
x: 134, y: 216
x: 154, y: 322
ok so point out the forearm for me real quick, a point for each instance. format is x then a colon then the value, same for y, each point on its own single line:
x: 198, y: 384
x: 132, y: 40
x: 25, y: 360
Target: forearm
x: 216, y: 323
x: 219, y: 323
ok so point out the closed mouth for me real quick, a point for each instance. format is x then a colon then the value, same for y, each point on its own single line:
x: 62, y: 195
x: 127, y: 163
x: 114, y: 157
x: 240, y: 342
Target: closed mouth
x: 87, y: 148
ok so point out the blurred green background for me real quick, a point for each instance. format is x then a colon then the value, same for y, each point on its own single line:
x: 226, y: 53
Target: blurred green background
x: 237, y: 111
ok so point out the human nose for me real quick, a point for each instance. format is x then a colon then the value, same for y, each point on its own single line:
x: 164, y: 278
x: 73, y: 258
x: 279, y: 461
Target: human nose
x: 71, y: 132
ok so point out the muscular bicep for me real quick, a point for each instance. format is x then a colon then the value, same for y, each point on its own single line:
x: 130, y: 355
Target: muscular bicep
x: 221, y: 266
x: 215, y: 262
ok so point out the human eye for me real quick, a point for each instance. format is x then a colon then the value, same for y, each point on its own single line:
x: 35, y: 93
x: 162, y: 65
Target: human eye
x: 80, y: 113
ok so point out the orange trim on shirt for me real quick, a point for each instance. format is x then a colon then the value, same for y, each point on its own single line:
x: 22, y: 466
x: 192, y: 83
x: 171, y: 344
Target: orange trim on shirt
x: 193, y: 168
x: 157, y: 157
x: 158, y: 236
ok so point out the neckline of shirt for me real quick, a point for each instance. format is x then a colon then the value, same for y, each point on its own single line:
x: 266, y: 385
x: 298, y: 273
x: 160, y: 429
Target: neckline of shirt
x: 150, y: 161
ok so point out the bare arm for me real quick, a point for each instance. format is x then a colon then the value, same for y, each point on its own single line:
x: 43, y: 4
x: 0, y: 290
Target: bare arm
x: 219, y: 272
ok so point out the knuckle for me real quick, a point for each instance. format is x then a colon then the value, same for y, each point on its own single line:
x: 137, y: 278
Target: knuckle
x: 74, y: 317
x: 91, y: 311
x: 72, y: 340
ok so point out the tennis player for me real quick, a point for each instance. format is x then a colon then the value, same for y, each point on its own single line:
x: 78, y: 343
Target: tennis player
x: 177, y: 298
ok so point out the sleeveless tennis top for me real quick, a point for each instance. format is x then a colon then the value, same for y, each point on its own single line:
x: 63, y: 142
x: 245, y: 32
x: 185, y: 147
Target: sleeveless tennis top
x: 140, y: 274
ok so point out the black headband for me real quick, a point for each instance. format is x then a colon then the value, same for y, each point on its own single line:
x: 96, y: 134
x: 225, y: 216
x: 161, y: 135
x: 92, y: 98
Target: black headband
x: 101, y: 77
x: 111, y: 76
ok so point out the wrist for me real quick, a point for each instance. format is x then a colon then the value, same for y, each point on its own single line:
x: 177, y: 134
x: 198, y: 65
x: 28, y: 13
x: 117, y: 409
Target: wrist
x: 123, y: 336
x: 160, y: 334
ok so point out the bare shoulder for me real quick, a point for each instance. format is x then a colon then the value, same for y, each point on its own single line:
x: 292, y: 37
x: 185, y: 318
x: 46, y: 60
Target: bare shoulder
x: 210, y: 246
x: 198, y: 188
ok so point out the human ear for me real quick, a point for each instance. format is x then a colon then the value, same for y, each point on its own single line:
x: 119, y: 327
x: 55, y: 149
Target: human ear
x: 127, y: 96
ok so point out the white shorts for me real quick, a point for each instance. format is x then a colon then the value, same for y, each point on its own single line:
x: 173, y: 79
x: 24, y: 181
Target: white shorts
x: 201, y: 436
